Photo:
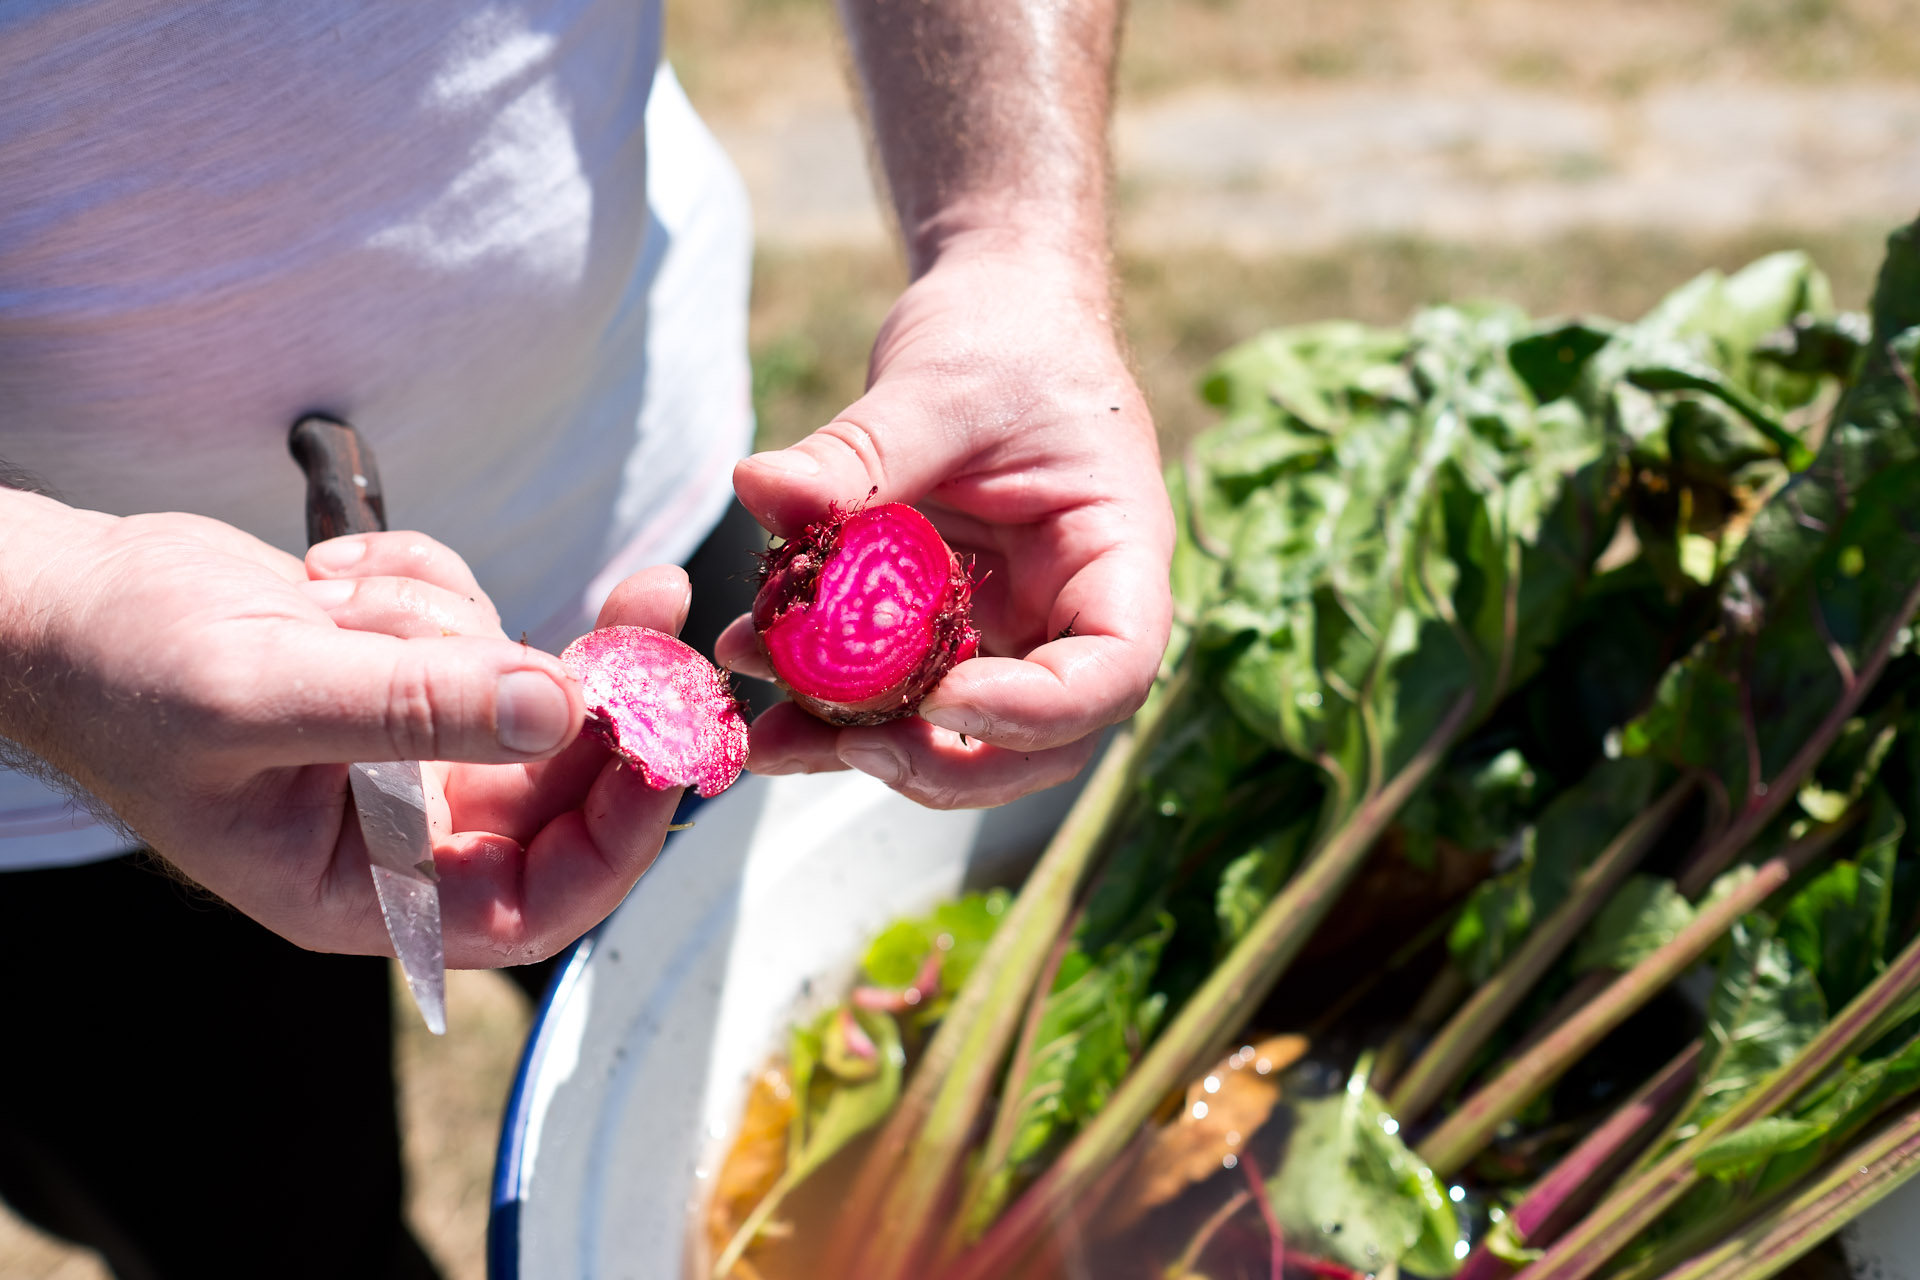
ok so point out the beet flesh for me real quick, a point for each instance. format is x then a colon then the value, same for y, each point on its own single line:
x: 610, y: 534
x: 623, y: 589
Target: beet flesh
x: 661, y: 707
x: 863, y: 613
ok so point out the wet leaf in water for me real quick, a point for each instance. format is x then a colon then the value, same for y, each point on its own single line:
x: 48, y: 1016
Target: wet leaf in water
x: 1349, y: 1189
x: 1213, y: 1123
x: 756, y: 1159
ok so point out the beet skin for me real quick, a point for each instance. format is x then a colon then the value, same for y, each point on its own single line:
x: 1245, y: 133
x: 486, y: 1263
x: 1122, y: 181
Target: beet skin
x: 863, y: 613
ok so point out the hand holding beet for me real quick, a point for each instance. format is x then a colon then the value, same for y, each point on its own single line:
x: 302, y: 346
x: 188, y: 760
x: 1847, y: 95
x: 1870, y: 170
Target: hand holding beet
x: 210, y: 690
x: 1001, y: 408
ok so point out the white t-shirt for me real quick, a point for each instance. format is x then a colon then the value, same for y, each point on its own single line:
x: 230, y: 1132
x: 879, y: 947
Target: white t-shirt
x: 488, y: 235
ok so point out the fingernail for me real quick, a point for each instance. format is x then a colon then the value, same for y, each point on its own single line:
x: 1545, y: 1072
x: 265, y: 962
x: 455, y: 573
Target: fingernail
x: 330, y: 593
x: 338, y: 554
x: 530, y: 712
x: 958, y: 719
x: 791, y: 461
x: 774, y: 768
x: 876, y: 761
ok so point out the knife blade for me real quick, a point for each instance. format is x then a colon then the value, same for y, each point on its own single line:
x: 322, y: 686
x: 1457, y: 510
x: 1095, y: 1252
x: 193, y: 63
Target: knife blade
x: 343, y: 496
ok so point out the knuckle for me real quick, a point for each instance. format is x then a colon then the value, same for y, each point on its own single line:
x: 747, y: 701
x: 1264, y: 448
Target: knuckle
x: 933, y: 797
x: 413, y: 727
x: 427, y: 559
x: 933, y: 791
x: 862, y: 443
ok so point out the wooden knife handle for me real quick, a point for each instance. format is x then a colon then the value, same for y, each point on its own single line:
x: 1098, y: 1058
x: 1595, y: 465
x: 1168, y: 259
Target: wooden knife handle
x: 343, y: 484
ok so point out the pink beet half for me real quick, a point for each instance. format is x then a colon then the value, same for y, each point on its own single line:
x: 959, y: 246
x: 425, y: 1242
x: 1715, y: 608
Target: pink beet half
x: 863, y: 613
x: 661, y: 707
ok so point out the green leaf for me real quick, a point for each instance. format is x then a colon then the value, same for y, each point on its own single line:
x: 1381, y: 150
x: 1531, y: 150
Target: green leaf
x: 1098, y: 1013
x: 1643, y: 915
x: 1766, y: 1006
x: 838, y: 1112
x: 1681, y: 375
x: 1864, y: 1091
x: 959, y: 930
x: 1550, y: 361
x: 1836, y: 925
x: 1434, y: 548
x: 895, y: 956
x: 1746, y: 1149
x: 1834, y: 345
x: 1540, y: 861
x: 1348, y: 1189
x: 803, y: 1055
x: 1252, y: 878
x: 1474, y: 803
x: 830, y: 1112
x: 1503, y: 1242
x: 1787, y: 609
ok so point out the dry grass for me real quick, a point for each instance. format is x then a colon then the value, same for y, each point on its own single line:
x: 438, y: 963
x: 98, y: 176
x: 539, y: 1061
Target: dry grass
x: 452, y: 1091
x: 1613, y: 47
x: 735, y: 54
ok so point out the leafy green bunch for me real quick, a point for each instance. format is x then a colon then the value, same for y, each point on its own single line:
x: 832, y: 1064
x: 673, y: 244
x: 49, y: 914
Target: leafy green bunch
x: 1532, y: 597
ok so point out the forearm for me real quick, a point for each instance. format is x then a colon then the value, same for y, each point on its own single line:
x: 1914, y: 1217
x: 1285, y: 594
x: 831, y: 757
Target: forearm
x: 990, y: 119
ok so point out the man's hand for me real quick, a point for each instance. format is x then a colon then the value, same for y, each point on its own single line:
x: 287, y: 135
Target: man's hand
x: 998, y: 401
x: 212, y: 690
x: 1001, y: 406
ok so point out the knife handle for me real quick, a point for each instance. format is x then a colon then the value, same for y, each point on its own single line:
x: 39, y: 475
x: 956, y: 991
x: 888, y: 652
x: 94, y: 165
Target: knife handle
x: 343, y: 484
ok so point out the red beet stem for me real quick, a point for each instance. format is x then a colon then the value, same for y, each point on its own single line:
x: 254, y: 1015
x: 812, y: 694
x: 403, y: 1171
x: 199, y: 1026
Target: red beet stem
x: 661, y: 707
x: 863, y: 613
x: 1544, y: 1214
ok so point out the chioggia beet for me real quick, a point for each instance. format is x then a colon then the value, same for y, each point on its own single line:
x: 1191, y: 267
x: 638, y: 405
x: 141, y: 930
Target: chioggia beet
x: 661, y: 707
x: 863, y: 613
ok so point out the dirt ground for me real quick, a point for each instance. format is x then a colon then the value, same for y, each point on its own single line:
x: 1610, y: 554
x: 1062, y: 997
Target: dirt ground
x: 1279, y: 160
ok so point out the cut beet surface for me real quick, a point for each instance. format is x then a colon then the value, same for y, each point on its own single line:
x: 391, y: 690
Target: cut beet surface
x: 661, y: 707
x: 863, y: 613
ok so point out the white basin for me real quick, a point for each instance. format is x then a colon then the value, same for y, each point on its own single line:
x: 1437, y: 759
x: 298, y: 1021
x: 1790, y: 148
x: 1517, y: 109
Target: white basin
x: 639, y: 1061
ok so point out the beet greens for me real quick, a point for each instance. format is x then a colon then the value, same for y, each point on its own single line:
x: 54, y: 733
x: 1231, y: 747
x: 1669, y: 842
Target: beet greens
x: 1602, y: 632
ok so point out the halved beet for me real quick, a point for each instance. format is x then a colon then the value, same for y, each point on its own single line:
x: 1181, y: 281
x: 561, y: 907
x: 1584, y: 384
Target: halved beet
x: 661, y: 707
x: 863, y: 613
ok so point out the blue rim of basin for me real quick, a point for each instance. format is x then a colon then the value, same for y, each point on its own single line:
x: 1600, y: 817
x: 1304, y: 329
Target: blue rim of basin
x: 510, y: 1157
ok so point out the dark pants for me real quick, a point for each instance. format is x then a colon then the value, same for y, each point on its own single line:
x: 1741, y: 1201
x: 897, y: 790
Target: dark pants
x: 190, y: 1094
x: 196, y: 1098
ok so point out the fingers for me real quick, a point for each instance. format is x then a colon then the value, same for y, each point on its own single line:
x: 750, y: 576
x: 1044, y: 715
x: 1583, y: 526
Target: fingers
x: 738, y: 649
x: 921, y: 761
x: 657, y: 598
x: 400, y: 554
x: 323, y: 695
x: 882, y: 445
x: 404, y: 607
x: 504, y: 903
x: 519, y: 801
x: 1112, y: 617
x: 400, y: 584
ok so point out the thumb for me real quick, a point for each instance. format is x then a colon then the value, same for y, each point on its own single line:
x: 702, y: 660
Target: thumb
x: 365, y: 696
x: 887, y: 444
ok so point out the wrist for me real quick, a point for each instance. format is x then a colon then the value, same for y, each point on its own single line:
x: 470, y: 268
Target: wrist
x: 1066, y: 247
x: 38, y: 538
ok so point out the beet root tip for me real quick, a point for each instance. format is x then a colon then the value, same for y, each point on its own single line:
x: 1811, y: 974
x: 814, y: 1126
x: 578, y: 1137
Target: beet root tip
x: 661, y: 707
x: 862, y: 614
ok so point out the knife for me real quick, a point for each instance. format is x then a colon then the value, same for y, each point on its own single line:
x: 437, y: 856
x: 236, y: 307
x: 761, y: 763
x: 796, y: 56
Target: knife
x: 343, y: 496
